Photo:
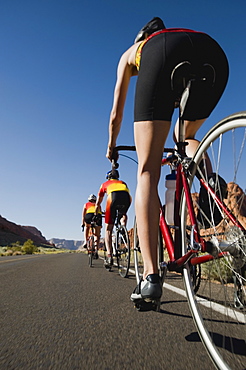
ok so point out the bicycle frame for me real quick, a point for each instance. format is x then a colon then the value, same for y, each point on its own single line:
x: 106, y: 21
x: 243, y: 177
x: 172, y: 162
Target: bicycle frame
x: 172, y: 244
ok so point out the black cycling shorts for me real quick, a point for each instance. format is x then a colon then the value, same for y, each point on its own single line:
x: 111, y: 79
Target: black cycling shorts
x: 154, y: 98
x: 120, y: 200
x: 89, y: 217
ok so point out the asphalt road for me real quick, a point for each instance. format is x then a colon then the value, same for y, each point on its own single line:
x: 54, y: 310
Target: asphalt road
x: 57, y: 313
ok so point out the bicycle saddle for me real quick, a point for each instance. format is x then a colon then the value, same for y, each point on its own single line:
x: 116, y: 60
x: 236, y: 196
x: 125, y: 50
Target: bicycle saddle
x: 185, y: 72
x: 186, y: 77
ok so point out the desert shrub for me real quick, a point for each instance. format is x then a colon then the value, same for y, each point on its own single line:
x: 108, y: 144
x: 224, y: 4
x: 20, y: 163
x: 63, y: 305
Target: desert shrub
x: 29, y: 247
x: 16, y: 247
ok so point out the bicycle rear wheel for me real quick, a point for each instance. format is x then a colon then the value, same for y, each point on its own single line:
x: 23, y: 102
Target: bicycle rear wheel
x: 219, y: 307
x: 123, y: 251
x: 138, y: 259
x: 91, y: 248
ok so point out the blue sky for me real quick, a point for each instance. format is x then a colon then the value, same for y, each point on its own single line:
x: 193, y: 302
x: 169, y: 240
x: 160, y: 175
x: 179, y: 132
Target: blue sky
x: 58, y: 61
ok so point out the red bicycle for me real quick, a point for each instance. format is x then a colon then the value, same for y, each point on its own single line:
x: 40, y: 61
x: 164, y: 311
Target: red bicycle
x: 207, y: 240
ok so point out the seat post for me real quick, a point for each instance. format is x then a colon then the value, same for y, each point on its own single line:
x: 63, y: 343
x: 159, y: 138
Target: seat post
x: 180, y: 83
x: 182, y: 105
x: 181, y: 144
x: 181, y: 134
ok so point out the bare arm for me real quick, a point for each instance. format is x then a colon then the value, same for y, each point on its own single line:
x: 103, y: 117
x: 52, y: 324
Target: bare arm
x: 83, y: 216
x: 98, y: 204
x: 126, y: 69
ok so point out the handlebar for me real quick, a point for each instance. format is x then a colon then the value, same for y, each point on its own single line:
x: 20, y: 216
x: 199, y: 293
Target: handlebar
x: 132, y: 148
x: 125, y: 147
x: 118, y: 148
x: 115, y: 155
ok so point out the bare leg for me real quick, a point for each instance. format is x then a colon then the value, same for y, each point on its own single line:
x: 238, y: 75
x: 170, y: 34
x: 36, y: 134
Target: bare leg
x: 86, y: 232
x: 97, y: 236
x: 123, y: 220
x: 108, y: 238
x: 150, y: 137
x: 191, y: 128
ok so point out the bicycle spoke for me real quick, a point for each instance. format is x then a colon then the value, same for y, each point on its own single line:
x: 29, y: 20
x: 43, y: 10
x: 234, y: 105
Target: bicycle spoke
x: 123, y: 251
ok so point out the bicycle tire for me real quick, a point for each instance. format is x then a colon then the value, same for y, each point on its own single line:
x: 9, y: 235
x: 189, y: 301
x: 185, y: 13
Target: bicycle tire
x: 138, y: 260
x: 123, y: 251
x: 91, y: 249
x: 223, y: 333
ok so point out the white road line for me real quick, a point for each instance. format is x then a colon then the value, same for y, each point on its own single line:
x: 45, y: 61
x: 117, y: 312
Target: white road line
x: 233, y: 314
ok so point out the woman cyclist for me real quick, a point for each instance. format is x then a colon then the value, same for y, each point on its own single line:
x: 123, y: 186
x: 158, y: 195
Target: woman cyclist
x: 153, y: 56
x: 118, y: 197
x: 87, y: 217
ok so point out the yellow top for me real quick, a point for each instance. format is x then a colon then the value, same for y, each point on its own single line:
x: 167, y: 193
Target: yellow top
x: 112, y: 185
x: 138, y: 54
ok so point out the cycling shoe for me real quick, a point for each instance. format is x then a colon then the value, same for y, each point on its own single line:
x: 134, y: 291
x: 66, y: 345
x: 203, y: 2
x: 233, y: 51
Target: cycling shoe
x: 150, y: 288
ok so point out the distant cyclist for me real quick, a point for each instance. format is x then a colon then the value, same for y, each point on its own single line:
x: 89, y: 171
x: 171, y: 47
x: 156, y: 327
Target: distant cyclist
x: 118, y: 196
x: 88, y: 214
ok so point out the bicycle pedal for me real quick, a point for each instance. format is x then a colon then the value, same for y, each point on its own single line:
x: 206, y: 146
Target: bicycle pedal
x: 147, y: 305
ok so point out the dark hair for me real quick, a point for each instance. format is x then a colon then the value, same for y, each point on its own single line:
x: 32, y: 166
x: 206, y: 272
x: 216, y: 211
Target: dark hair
x: 152, y: 26
x: 113, y: 174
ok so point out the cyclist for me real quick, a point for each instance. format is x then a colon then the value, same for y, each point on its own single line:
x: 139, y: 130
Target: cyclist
x: 88, y: 214
x: 118, y: 197
x: 153, y: 56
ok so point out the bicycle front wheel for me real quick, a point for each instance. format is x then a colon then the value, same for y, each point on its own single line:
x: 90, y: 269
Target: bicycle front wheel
x: 123, y: 251
x: 219, y: 306
x: 138, y: 259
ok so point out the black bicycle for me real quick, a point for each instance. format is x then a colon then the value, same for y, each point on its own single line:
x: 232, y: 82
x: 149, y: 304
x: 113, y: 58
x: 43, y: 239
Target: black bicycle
x: 90, y: 244
x: 121, y: 246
